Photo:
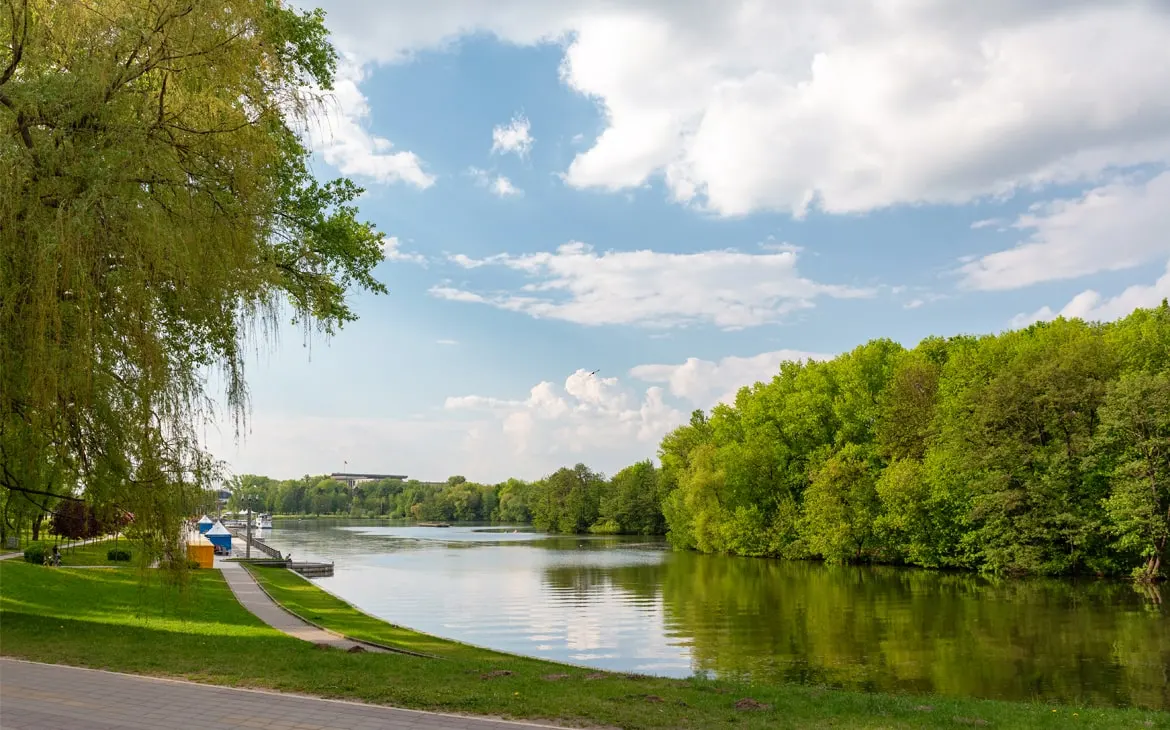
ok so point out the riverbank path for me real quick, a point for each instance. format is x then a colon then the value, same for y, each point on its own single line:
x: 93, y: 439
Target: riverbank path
x: 253, y: 598
x: 53, y: 697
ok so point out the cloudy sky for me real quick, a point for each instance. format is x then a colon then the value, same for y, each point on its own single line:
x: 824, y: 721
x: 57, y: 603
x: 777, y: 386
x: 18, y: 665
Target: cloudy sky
x: 684, y: 193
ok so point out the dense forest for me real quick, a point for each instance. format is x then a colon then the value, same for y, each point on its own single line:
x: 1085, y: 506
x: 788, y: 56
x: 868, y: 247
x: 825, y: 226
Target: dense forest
x: 1038, y: 451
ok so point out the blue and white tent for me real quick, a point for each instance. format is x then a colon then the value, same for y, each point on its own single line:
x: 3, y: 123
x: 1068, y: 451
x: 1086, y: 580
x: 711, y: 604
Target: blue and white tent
x: 205, y: 524
x: 220, y: 536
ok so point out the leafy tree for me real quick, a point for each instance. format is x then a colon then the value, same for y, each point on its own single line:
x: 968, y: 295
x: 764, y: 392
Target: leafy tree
x: 840, y: 507
x: 1135, y: 432
x: 75, y: 520
x: 569, y: 500
x: 630, y: 504
x: 155, y: 207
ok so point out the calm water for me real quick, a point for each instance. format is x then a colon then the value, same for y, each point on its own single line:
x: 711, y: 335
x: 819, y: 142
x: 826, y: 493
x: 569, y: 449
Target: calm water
x: 630, y: 604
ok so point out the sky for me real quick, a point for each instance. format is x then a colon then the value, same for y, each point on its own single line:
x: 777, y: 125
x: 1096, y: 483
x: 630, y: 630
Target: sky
x: 682, y: 194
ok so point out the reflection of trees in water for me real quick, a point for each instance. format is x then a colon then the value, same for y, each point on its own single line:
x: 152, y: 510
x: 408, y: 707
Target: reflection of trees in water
x: 641, y: 581
x: 915, y: 630
x: 884, y: 628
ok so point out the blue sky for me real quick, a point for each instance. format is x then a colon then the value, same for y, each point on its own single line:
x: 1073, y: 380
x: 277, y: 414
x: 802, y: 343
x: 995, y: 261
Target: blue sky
x: 684, y: 194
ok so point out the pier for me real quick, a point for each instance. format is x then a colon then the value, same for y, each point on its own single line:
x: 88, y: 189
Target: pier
x: 309, y: 570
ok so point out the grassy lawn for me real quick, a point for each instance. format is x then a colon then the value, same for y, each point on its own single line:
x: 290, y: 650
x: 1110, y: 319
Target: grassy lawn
x: 116, y: 619
x: 95, y: 554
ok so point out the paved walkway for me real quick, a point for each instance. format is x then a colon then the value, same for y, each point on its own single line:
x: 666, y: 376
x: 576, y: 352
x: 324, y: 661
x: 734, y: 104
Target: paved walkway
x: 251, y: 597
x: 53, y: 697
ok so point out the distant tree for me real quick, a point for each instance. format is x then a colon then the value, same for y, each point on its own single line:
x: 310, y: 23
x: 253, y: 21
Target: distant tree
x: 75, y: 520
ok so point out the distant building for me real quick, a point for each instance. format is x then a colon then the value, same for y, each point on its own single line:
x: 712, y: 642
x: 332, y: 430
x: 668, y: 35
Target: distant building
x: 351, y: 480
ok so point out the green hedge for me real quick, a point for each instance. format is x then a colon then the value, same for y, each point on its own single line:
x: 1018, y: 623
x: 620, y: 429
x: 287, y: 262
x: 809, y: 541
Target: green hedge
x: 119, y: 555
x: 35, y: 553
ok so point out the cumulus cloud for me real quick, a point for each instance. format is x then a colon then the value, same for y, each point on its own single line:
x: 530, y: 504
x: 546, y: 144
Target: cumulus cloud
x: 342, y: 139
x: 587, y: 418
x: 1089, y: 305
x: 742, y: 105
x: 704, y: 383
x: 727, y: 288
x: 1115, y: 226
x: 392, y: 250
x: 500, y: 186
x: 514, y: 137
x: 606, y: 422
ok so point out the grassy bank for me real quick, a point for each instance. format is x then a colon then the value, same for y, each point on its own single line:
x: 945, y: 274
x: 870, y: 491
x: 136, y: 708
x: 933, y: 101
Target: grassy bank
x: 111, y: 619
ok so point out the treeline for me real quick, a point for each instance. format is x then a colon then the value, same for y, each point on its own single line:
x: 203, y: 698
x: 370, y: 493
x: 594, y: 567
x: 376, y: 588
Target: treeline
x: 1044, y: 450
x: 569, y: 500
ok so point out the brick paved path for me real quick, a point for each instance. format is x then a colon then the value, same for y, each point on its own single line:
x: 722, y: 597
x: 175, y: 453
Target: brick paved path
x: 53, y: 697
x: 251, y: 597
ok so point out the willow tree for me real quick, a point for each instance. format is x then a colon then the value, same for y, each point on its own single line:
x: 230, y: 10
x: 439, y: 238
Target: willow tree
x: 156, y: 212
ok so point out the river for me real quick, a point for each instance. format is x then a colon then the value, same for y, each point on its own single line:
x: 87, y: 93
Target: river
x: 631, y: 604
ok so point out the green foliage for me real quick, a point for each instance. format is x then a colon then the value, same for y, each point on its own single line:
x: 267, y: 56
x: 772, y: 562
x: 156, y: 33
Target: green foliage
x: 119, y: 555
x: 1135, y: 432
x: 1044, y: 451
x: 156, y: 211
x: 35, y: 553
x: 841, y: 506
x: 568, y: 500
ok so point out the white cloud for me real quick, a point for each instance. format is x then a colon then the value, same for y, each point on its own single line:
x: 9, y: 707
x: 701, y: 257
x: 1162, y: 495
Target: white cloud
x: 500, y: 186
x: 514, y: 137
x: 726, y: 288
x: 705, y: 383
x: 588, y: 418
x: 391, y: 249
x: 913, y: 304
x: 1116, y: 226
x: 601, y: 421
x: 989, y: 223
x: 744, y: 105
x: 1089, y: 305
x: 504, y: 188
x: 446, y: 342
x: 342, y: 139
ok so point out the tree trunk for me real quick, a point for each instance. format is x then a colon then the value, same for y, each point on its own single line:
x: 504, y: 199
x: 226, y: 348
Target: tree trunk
x: 36, y: 527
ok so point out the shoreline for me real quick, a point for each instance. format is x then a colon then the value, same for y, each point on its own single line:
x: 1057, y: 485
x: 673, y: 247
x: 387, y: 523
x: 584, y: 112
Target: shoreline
x: 112, y: 619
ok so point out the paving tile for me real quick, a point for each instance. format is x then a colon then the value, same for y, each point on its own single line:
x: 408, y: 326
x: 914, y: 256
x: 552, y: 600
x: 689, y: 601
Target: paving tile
x: 52, y: 697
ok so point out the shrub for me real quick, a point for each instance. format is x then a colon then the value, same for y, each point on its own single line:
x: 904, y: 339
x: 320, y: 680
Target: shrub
x: 118, y: 554
x: 193, y: 565
x: 35, y: 553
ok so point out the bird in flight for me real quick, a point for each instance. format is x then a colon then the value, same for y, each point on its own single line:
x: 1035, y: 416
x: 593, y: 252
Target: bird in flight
x: 595, y: 372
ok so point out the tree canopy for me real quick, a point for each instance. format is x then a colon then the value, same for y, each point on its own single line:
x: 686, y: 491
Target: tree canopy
x: 156, y: 212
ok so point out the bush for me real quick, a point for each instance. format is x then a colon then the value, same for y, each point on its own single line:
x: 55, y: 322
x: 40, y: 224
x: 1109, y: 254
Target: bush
x: 118, y: 554
x: 35, y: 553
x: 193, y: 565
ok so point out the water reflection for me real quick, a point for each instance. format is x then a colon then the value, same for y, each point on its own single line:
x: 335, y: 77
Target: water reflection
x: 628, y: 604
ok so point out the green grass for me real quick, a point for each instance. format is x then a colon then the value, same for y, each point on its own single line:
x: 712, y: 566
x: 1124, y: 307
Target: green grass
x: 133, y: 621
x: 95, y: 554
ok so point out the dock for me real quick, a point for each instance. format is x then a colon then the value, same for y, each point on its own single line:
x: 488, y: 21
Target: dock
x: 309, y: 570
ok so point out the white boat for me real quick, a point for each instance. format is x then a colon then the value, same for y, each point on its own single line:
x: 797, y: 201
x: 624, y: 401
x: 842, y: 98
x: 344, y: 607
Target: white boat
x: 262, y: 522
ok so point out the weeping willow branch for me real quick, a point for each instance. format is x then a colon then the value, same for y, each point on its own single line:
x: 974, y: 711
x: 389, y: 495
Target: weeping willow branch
x: 156, y: 209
